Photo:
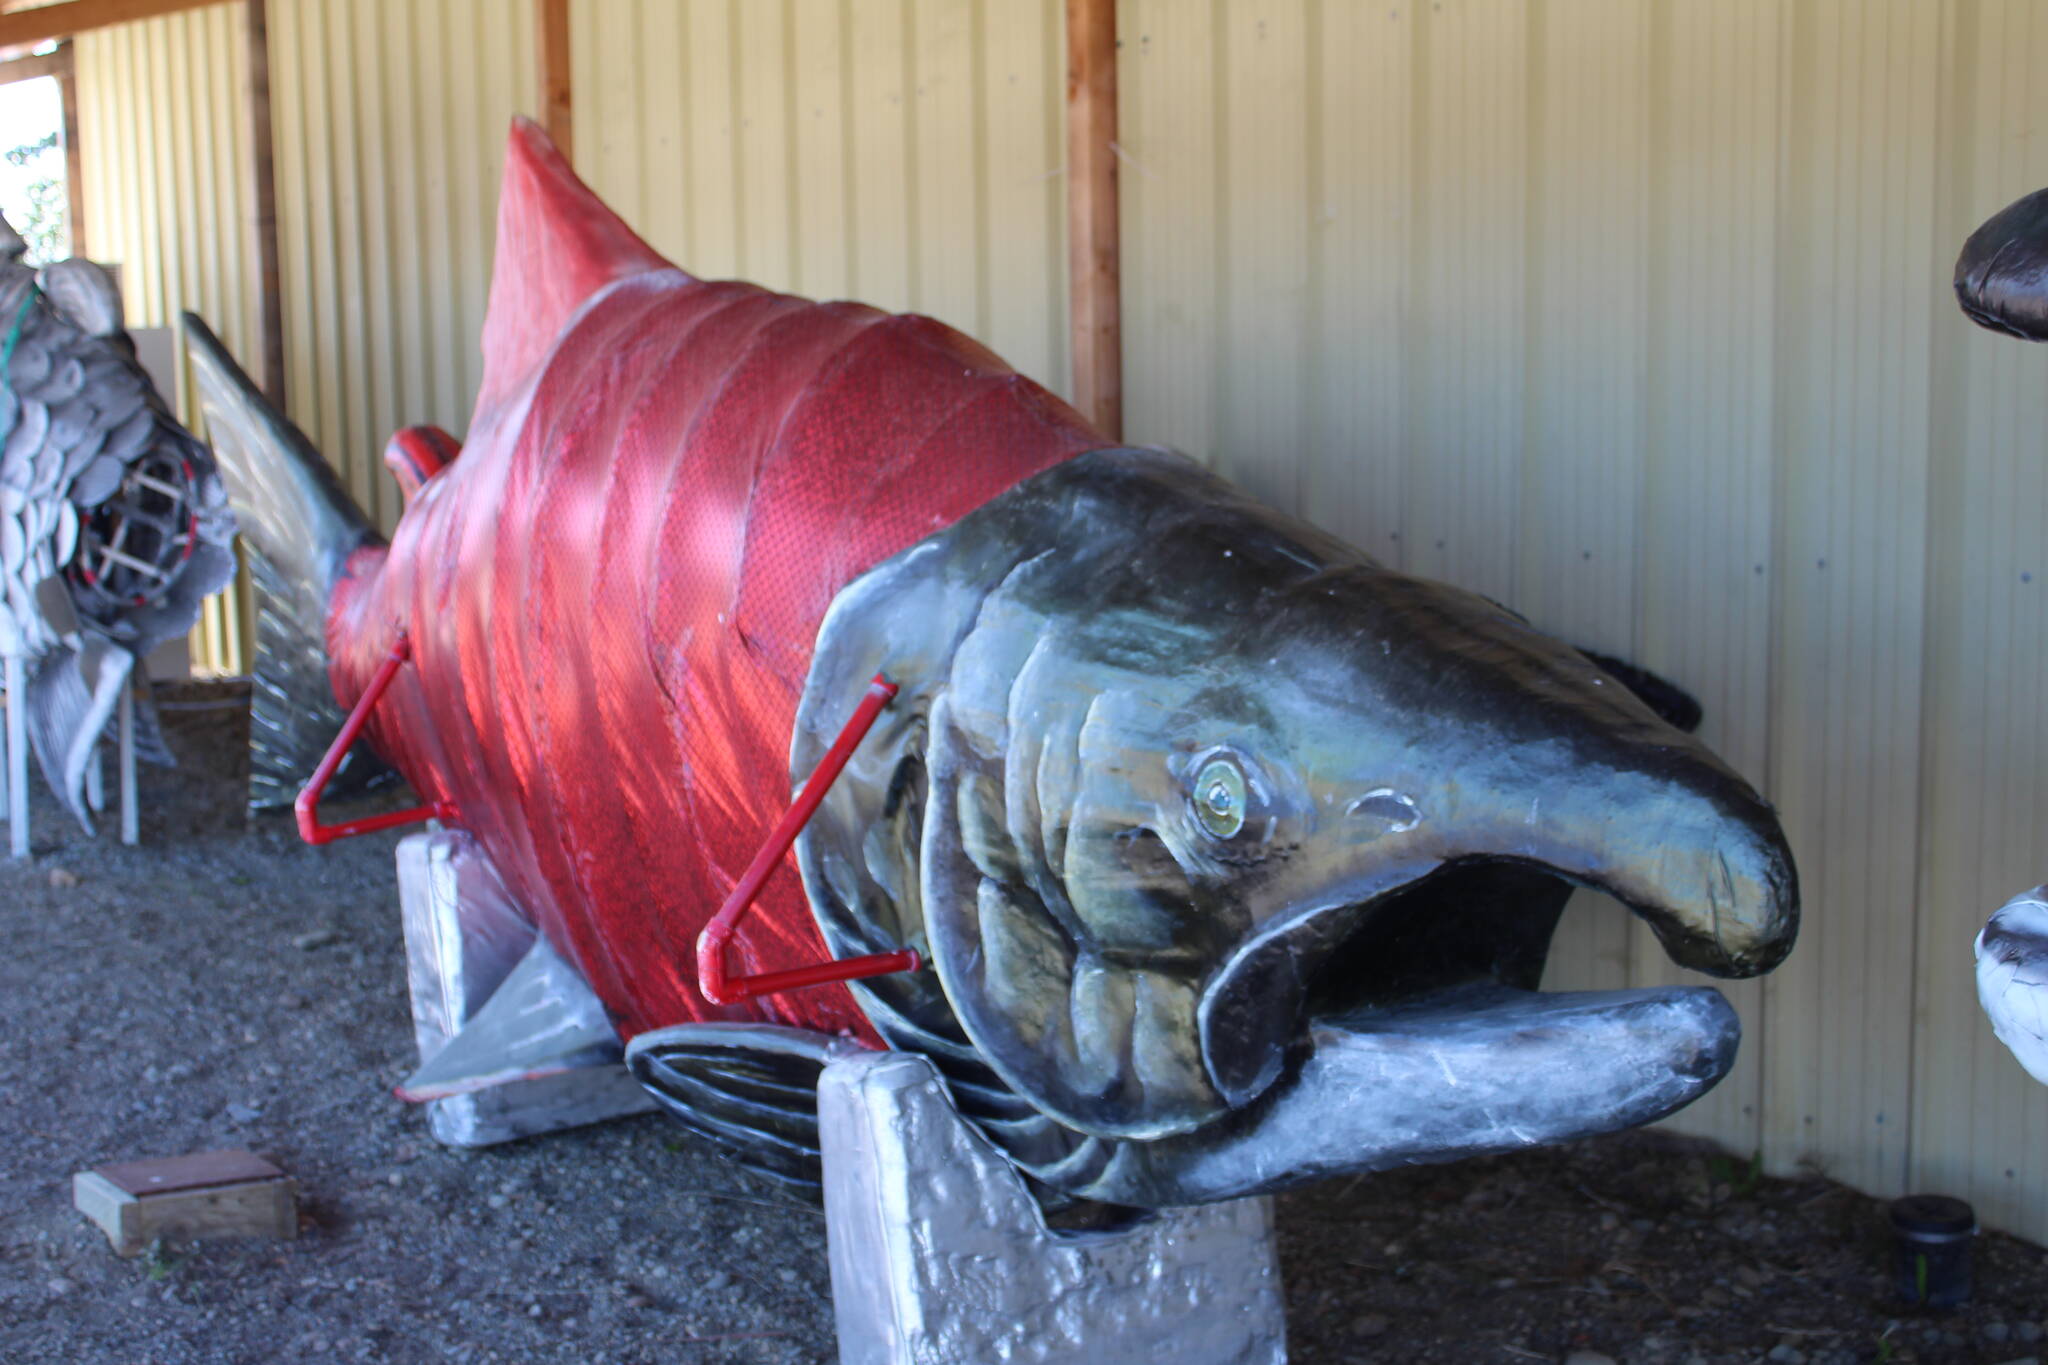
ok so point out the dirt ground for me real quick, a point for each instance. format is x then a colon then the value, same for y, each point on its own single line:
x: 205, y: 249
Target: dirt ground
x: 224, y: 986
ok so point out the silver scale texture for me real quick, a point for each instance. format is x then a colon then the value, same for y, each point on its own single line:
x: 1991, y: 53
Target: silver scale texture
x: 940, y: 1256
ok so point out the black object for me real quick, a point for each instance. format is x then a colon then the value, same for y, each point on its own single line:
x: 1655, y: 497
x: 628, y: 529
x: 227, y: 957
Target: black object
x: 1674, y: 705
x: 1931, y: 1249
x: 132, y: 546
x: 2002, y: 274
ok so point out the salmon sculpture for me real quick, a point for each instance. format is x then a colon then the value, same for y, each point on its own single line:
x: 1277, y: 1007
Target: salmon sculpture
x: 1230, y: 857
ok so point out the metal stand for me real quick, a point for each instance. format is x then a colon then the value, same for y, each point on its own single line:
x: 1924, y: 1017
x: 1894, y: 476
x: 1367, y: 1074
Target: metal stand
x: 463, y: 938
x: 939, y: 1254
x: 17, y: 757
x: 131, y: 821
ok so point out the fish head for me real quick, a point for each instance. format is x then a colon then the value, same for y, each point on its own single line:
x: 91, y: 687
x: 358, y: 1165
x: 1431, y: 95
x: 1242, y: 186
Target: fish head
x: 1200, y: 780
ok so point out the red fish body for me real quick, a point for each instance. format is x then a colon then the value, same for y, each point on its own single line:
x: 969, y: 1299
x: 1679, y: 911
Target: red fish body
x: 612, y: 594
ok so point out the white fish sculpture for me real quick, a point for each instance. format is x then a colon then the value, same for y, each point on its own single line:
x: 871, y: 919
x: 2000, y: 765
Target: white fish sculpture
x: 2012, y: 978
x: 114, y: 526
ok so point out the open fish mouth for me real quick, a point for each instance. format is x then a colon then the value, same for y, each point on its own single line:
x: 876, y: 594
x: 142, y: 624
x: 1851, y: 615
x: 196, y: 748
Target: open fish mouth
x: 1468, y: 1071
x: 1408, y: 1028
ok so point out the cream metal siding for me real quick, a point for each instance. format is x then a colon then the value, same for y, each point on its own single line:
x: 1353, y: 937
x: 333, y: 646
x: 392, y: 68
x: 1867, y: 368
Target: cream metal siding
x: 1637, y: 316
x: 903, y: 152
x: 390, y: 120
x: 164, y: 136
x: 1634, y: 315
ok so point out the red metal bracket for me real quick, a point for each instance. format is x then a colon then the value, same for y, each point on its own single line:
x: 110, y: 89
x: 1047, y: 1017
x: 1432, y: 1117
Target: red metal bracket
x: 307, y: 806
x: 712, y: 980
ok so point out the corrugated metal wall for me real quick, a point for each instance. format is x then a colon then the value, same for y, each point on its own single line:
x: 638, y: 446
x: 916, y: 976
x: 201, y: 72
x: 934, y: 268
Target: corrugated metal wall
x: 903, y: 152
x: 165, y: 139
x: 1637, y: 316
x: 390, y: 120
x: 1634, y: 315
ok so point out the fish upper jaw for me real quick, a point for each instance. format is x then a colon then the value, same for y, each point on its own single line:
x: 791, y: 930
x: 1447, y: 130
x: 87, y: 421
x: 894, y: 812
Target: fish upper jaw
x: 1472, y: 899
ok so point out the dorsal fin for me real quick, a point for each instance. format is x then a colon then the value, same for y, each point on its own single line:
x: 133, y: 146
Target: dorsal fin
x: 557, y: 245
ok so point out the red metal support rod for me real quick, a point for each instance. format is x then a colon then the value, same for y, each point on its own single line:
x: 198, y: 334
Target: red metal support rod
x: 307, y: 807
x: 712, y: 980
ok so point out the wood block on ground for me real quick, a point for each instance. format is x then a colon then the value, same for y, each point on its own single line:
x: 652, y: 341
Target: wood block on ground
x: 204, y: 1195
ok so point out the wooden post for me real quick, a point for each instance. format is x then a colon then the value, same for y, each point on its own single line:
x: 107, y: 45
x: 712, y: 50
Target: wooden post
x: 74, y: 163
x: 551, y: 52
x: 256, y: 35
x: 1092, y: 240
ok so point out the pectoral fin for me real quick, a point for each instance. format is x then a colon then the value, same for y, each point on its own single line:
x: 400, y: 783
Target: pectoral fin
x: 750, y: 1088
x: 544, y: 1020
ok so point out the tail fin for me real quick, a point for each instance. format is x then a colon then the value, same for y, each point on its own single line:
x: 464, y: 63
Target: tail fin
x: 558, y: 244
x: 299, y: 528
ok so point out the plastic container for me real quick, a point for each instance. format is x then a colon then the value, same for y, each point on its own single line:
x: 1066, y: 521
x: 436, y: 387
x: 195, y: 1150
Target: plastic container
x: 1931, y: 1249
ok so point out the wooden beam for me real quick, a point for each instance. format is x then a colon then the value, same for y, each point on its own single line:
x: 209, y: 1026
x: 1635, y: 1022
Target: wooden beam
x: 263, y: 197
x: 37, y: 65
x: 81, y: 16
x: 1093, y: 318
x: 551, y: 51
x: 74, y: 161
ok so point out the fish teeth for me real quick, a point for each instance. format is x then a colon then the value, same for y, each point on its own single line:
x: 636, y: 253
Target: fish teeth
x: 31, y: 364
x: 133, y: 435
x: 97, y: 481
x: 62, y: 384
x: 30, y: 429
x: 67, y: 532
x: 81, y: 454
x: 13, y: 542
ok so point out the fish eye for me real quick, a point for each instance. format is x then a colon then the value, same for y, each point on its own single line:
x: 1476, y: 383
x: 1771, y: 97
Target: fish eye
x: 1220, y: 798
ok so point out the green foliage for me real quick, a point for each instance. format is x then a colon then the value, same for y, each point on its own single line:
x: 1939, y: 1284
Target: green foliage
x: 26, y: 152
x: 159, y: 1262
x: 43, y: 225
x: 1741, y: 1177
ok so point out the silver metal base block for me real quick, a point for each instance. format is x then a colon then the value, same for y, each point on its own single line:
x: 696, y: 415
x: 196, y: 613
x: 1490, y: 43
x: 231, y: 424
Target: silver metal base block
x: 463, y: 937
x: 940, y: 1255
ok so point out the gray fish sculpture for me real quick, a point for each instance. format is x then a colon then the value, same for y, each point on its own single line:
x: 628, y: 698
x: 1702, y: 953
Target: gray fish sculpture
x: 1238, y: 855
x: 2012, y: 978
x: 1235, y: 855
x: 114, y: 526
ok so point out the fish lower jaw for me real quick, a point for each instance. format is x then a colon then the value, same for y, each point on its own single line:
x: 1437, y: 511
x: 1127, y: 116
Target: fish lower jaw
x: 1466, y: 1071
x: 1407, y: 1027
x: 1487, y: 1068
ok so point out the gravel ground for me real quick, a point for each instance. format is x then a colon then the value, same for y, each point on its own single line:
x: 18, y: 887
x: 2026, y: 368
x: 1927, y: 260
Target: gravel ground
x: 224, y: 986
